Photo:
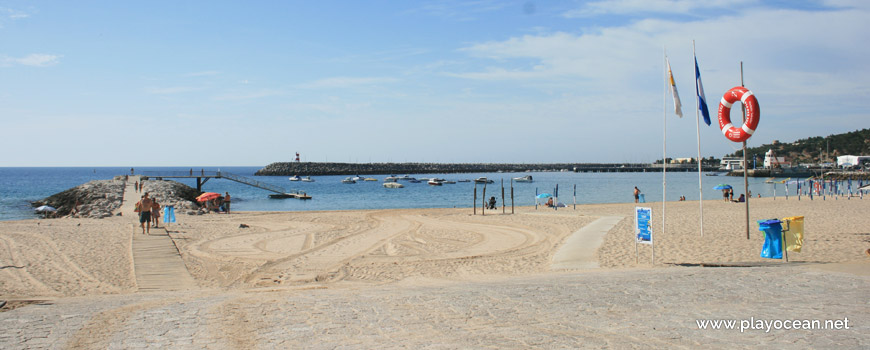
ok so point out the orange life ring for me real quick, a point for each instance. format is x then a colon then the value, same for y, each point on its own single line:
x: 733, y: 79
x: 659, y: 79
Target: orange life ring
x: 753, y: 114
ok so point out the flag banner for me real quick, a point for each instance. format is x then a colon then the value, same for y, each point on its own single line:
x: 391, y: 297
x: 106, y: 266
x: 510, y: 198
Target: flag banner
x: 702, y: 101
x: 678, y: 107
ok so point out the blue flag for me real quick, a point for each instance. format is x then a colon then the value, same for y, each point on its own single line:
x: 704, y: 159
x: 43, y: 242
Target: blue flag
x: 699, y: 89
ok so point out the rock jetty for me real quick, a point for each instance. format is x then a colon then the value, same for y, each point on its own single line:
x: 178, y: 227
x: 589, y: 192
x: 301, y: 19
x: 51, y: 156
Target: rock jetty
x: 98, y: 199
x: 314, y: 168
x: 176, y: 194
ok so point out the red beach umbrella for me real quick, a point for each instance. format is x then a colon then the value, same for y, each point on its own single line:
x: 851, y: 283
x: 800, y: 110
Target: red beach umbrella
x: 207, y: 196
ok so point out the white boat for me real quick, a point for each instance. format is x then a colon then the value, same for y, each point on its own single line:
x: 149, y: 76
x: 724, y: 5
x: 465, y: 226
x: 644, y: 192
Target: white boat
x: 348, y: 181
x: 391, y: 178
x: 405, y: 177
x: 448, y: 182
x: 434, y: 182
x: 527, y: 178
x: 357, y: 178
x: 307, y: 179
x: 483, y: 180
x: 393, y: 185
x: 295, y: 178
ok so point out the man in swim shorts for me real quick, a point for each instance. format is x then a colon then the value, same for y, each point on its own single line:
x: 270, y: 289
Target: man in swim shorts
x: 144, y: 207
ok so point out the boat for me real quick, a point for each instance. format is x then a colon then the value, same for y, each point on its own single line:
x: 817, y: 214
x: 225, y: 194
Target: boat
x: 448, y: 182
x: 414, y: 181
x: 289, y: 195
x: 483, y: 180
x: 405, y: 177
x: 307, y: 179
x: 434, y: 182
x: 527, y: 178
x: 357, y: 178
x: 464, y: 180
x: 370, y: 179
x: 391, y: 178
x: 295, y: 178
x: 348, y: 180
x: 393, y: 185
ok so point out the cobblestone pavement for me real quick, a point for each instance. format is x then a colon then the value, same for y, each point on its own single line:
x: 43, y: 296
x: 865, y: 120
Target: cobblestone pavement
x: 625, y: 309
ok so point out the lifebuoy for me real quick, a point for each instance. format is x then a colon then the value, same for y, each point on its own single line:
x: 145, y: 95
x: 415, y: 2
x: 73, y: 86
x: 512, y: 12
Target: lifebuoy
x: 753, y: 114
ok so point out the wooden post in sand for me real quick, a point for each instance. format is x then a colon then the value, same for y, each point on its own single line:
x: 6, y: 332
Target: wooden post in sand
x: 512, y: 196
x: 474, y: 204
x: 483, y: 210
x: 502, y: 196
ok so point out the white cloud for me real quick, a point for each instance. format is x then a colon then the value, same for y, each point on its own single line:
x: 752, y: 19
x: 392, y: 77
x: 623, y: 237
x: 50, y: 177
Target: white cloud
x: 33, y: 60
x: 13, y: 13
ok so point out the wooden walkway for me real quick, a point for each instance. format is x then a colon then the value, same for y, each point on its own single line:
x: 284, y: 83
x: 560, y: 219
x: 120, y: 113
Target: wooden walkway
x: 156, y: 260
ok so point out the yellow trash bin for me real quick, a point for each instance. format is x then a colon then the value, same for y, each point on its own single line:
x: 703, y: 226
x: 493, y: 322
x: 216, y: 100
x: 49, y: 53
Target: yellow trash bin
x: 794, y: 233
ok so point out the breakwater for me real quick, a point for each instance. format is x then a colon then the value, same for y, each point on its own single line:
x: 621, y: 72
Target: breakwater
x: 316, y: 168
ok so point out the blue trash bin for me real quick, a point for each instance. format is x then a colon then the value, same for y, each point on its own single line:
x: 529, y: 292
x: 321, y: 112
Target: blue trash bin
x: 640, y: 198
x: 772, y: 248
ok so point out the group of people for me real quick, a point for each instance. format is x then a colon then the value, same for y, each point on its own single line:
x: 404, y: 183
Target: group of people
x: 728, y: 196
x: 149, y: 212
x: 219, y: 204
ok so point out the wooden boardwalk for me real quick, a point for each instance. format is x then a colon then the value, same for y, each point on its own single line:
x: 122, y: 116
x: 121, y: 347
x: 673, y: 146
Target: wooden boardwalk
x: 156, y: 260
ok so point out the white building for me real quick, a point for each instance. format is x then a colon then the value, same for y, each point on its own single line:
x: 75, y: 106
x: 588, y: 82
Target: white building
x: 853, y: 161
x: 771, y: 160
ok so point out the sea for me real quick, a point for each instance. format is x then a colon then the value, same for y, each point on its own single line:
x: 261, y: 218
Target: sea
x: 19, y: 186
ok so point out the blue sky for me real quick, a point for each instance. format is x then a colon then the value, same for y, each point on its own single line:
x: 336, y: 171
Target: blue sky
x: 209, y: 83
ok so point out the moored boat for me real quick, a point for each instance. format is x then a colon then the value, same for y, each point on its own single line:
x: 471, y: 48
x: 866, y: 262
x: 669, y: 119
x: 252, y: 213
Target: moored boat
x: 348, y: 180
x: 434, y: 182
x: 307, y: 179
x: 527, y: 178
x: 483, y: 180
x: 393, y: 185
x: 294, y: 178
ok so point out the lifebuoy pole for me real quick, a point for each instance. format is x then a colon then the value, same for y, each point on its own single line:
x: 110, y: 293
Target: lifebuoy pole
x: 745, y: 167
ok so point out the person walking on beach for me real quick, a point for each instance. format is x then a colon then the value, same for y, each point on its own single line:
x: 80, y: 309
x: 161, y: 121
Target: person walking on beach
x: 155, y: 212
x: 136, y: 186
x: 636, y: 194
x: 144, y: 209
x: 227, y: 202
x: 731, y: 194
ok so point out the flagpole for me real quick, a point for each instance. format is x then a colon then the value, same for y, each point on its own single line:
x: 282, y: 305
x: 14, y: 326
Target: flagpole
x: 698, y: 133
x: 665, y: 141
x: 745, y: 165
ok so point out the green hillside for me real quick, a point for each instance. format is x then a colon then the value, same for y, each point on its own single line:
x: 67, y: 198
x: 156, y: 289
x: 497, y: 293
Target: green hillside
x: 815, y: 149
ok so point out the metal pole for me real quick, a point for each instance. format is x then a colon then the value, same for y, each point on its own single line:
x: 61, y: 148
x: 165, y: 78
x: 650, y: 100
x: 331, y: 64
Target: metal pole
x: 698, y: 133
x: 745, y: 170
x: 664, y: 144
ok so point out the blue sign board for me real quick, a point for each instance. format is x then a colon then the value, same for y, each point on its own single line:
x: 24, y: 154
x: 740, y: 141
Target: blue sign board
x: 643, y: 225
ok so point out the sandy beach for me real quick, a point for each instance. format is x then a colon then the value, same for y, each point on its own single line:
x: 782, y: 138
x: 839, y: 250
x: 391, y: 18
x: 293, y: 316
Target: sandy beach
x: 434, y: 278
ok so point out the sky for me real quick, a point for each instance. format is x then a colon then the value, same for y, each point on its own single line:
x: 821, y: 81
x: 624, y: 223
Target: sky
x: 248, y: 83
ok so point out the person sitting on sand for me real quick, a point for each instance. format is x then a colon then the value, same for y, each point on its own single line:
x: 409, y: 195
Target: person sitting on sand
x: 741, y: 199
x: 491, y: 203
x: 550, y: 202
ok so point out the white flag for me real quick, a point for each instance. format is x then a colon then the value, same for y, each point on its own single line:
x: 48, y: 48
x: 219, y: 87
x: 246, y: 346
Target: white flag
x: 678, y: 107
